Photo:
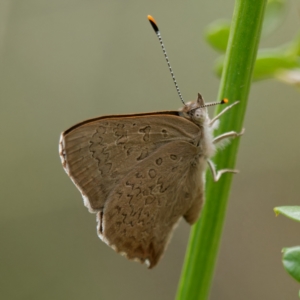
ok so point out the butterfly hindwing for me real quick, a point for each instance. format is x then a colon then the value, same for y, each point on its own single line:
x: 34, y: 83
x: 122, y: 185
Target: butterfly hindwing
x: 143, y: 208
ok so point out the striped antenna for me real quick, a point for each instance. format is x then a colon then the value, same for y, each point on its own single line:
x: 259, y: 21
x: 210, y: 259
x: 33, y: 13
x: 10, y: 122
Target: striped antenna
x: 154, y: 26
x: 223, y: 101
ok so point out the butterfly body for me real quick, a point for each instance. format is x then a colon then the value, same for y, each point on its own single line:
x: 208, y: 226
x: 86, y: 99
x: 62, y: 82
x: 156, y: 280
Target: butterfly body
x: 140, y: 174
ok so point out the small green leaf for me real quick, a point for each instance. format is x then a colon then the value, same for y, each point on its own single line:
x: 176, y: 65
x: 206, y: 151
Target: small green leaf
x: 292, y: 212
x: 291, y: 261
x: 217, y: 34
x: 274, y: 15
x: 271, y: 61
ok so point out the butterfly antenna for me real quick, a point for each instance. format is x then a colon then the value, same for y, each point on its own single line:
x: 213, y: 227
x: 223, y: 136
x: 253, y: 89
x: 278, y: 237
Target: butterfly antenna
x: 154, y: 26
x: 223, y: 101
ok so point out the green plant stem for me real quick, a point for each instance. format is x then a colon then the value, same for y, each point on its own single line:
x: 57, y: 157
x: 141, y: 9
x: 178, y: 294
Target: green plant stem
x: 235, y: 84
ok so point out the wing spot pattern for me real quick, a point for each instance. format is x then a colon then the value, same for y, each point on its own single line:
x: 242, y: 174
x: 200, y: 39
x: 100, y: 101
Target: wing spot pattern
x: 129, y: 151
x: 165, y: 133
x: 139, y: 175
x: 100, y: 152
x: 101, y: 130
x: 121, y: 134
x: 146, y: 132
x: 146, y: 192
x: 150, y: 199
x: 159, y: 161
x: 130, y: 184
x: 152, y: 173
x: 143, y: 155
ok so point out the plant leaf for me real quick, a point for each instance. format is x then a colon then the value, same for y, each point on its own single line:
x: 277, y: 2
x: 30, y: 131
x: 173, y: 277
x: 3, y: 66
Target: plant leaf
x: 217, y: 34
x: 269, y: 63
x: 292, y: 212
x: 291, y: 261
x: 274, y: 15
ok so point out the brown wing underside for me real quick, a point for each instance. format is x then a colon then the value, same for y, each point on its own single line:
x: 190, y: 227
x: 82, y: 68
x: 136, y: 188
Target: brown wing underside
x: 140, y: 174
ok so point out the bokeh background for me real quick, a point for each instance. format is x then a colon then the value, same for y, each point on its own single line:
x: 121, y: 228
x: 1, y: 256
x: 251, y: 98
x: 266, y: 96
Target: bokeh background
x: 63, y: 61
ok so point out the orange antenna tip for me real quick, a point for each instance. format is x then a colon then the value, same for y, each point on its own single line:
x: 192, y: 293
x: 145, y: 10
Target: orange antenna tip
x: 225, y: 100
x: 151, y: 19
x: 153, y: 23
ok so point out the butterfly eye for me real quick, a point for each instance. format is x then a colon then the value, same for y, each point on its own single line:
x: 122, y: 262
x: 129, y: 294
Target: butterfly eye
x: 197, y: 113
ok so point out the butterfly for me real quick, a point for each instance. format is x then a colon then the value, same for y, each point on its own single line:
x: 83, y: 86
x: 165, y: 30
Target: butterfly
x: 141, y: 173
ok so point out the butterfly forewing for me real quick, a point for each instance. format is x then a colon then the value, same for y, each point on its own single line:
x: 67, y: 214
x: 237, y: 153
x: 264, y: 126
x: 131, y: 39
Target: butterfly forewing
x: 97, y: 154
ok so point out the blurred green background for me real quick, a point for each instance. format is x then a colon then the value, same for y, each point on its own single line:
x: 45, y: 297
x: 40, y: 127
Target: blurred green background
x: 63, y: 61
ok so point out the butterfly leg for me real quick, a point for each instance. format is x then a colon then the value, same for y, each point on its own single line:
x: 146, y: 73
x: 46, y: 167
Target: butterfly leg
x: 222, y: 113
x: 226, y: 135
x: 217, y: 174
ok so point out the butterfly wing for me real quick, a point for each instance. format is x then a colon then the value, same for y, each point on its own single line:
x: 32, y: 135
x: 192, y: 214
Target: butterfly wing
x: 144, y: 207
x: 114, y: 162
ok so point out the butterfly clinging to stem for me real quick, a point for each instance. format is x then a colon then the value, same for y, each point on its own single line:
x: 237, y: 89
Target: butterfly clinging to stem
x: 141, y: 173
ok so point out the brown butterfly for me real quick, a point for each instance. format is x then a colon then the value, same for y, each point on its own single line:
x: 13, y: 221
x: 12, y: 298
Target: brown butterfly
x: 141, y: 173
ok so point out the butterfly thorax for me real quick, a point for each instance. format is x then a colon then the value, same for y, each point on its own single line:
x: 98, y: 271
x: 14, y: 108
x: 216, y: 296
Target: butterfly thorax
x: 196, y: 113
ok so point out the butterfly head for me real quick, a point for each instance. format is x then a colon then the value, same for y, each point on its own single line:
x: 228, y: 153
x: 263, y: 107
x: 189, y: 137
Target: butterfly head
x: 196, y: 111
